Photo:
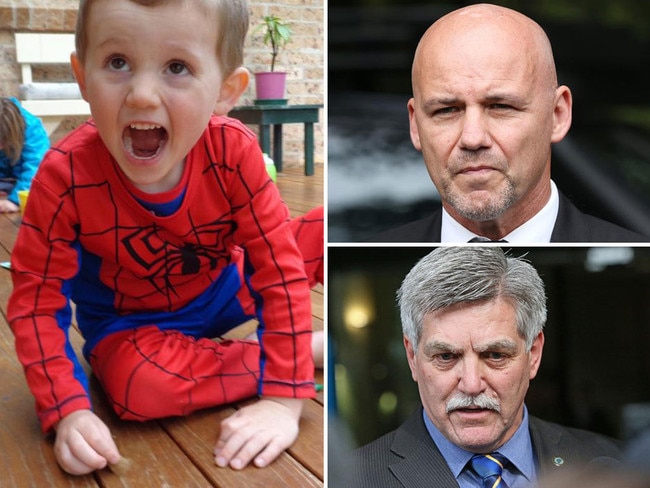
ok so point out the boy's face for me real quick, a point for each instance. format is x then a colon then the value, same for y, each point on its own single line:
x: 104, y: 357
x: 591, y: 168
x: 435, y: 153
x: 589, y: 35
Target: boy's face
x: 152, y: 78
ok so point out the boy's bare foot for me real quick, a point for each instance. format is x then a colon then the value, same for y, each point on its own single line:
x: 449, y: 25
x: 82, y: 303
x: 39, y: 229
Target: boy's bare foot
x: 317, y: 346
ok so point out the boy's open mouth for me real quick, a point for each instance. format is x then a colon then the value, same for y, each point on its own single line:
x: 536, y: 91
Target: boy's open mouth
x: 144, y: 141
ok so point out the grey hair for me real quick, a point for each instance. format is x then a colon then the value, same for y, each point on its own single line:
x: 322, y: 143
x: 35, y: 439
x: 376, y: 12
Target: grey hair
x: 451, y: 275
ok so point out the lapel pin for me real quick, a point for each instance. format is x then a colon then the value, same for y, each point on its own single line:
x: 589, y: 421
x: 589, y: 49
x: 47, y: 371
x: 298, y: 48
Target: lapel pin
x: 558, y: 461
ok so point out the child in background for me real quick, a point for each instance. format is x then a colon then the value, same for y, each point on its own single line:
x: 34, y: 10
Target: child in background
x: 161, y: 223
x: 23, y: 143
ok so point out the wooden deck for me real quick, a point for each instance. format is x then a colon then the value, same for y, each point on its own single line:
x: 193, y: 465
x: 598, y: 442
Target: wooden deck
x: 175, y: 452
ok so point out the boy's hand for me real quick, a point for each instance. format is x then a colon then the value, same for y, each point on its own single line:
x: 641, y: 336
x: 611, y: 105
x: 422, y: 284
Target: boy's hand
x: 84, y: 443
x: 261, y: 431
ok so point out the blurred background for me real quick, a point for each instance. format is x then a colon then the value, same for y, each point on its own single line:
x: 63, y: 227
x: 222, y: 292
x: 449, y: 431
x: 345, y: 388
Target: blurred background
x: 377, y: 180
x: 595, y: 370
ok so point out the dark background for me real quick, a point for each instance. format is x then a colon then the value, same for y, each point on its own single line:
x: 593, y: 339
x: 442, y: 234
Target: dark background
x: 595, y: 370
x: 377, y: 180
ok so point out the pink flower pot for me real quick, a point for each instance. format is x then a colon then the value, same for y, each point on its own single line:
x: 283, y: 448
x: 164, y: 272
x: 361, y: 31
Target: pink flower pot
x: 270, y: 85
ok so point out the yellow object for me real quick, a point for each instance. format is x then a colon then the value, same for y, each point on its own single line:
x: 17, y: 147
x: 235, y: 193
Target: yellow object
x: 22, y: 198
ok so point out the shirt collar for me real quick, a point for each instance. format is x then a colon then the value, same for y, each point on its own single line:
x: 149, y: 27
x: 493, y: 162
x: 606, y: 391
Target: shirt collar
x: 518, y: 449
x: 536, y: 230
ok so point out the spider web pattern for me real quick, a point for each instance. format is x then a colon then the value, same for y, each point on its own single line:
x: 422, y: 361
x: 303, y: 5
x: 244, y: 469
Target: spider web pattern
x: 308, y: 232
x: 148, y: 373
x: 232, y: 215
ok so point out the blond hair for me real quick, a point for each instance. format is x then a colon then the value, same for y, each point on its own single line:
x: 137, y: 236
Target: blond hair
x: 231, y: 22
x: 12, y: 130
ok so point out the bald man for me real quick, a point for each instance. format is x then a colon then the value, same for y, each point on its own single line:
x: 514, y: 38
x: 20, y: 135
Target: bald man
x: 486, y: 108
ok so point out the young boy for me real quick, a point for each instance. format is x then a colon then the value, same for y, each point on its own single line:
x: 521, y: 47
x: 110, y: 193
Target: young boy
x: 162, y: 225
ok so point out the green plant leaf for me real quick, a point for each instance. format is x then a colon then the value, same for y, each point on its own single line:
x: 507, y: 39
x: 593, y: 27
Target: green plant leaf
x: 277, y: 34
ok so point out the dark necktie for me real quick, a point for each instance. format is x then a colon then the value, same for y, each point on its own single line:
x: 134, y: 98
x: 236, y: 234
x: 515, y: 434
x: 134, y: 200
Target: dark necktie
x: 490, y: 467
x: 484, y: 239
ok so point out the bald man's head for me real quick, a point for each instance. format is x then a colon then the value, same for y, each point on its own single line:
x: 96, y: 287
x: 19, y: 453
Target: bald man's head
x: 483, y: 30
x: 485, y: 110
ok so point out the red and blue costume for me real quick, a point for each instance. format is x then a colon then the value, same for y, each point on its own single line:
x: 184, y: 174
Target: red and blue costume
x: 153, y: 286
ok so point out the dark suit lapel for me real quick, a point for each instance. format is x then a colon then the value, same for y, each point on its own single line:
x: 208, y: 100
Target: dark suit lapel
x: 421, y: 463
x: 558, y: 449
x: 436, y: 226
x: 570, y: 225
x: 548, y: 447
x: 574, y: 226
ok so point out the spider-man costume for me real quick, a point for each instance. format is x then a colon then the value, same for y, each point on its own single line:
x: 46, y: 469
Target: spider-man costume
x: 151, y: 291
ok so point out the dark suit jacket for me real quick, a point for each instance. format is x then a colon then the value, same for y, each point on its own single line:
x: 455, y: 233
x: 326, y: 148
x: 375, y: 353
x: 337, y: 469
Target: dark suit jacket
x: 571, y: 226
x: 408, y: 457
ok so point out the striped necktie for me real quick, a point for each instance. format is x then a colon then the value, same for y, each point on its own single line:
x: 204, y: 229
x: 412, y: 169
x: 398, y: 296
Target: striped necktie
x: 489, y: 467
x: 484, y: 239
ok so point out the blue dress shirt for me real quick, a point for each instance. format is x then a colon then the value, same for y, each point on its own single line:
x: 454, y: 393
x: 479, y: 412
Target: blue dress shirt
x: 520, y: 473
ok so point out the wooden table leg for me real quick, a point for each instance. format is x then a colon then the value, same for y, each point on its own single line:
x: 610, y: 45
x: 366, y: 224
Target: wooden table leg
x: 265, y: 139
x: 309, y: 148
x: 277, y: 146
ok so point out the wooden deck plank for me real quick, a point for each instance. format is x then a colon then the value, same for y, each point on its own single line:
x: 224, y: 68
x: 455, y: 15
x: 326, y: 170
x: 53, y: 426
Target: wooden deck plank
x: 171, y: 452
x: 154, y: 457
x: 8, y: 228
x: 5, y: 284
x: 197, y: 435
x: 308, y: 448
x: 300, y: 197
x: 317, y: 305
x: 27, y: 456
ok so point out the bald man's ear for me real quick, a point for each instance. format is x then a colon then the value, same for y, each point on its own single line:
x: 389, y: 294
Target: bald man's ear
x: 561, y: 113
x: 413, y: 126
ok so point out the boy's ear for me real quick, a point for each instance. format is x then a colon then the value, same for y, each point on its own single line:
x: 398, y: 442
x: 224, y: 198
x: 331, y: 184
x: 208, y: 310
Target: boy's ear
x: 231, y: 89
x: 79, y: 73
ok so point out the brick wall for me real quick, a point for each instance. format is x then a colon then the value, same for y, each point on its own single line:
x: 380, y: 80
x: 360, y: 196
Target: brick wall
x: 24, y: 16
x: 303, y: 58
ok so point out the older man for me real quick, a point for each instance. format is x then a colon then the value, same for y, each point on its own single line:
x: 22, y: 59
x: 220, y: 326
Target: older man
x: 472, y: 320
x: 486, y: 108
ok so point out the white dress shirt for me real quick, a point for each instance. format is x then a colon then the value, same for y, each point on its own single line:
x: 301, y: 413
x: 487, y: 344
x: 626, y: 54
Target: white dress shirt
x: 537, y: 230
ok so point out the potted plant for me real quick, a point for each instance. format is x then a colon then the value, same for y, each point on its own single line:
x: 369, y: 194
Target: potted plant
x: 270, y: 85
